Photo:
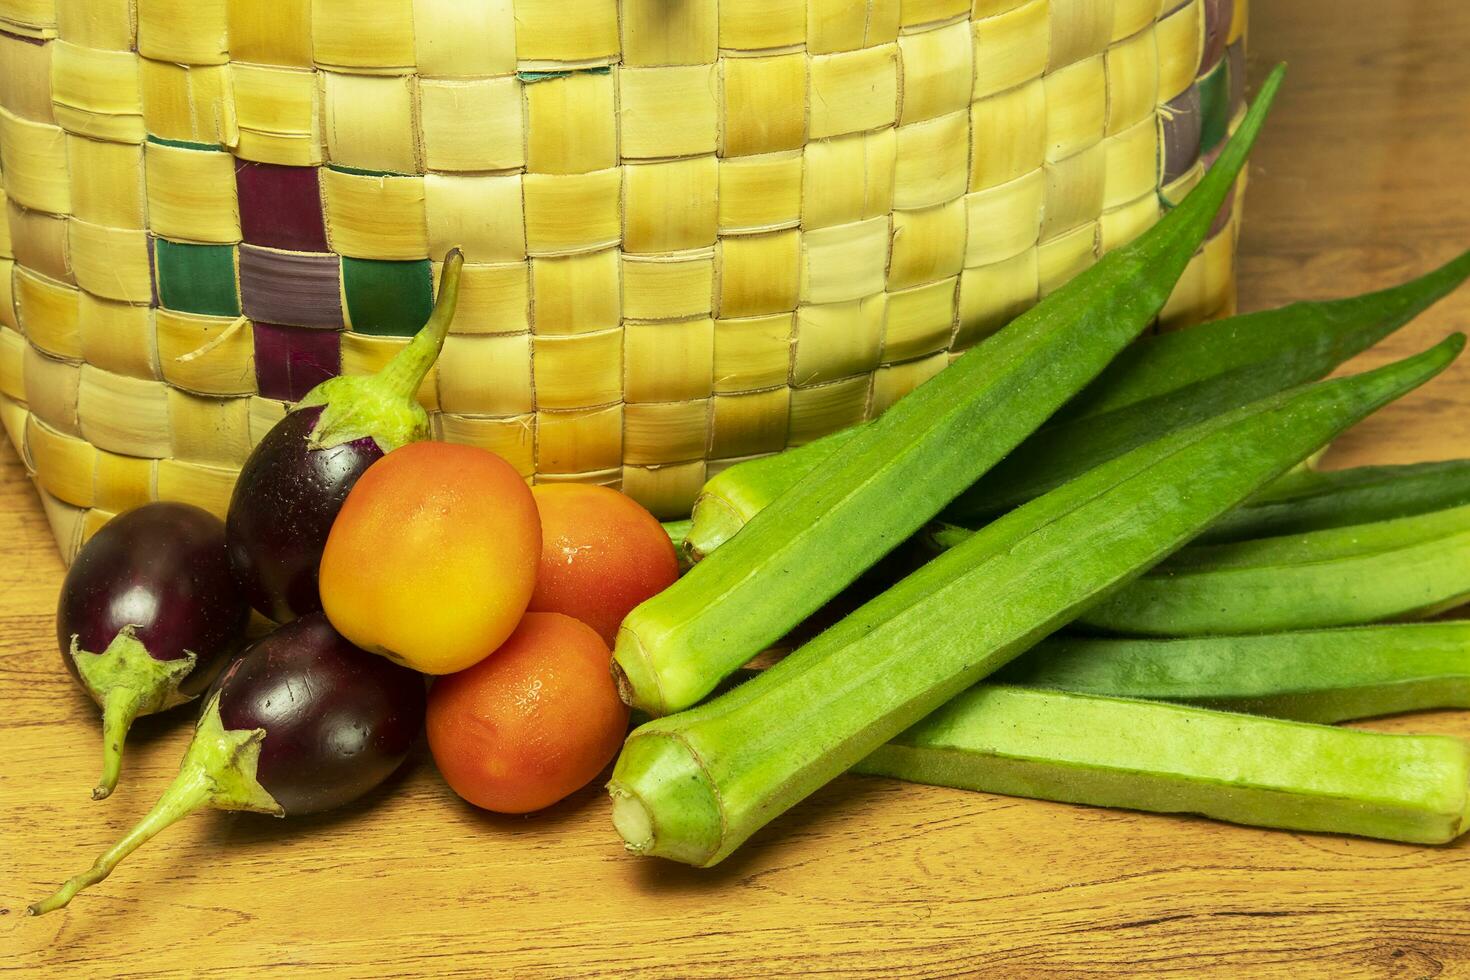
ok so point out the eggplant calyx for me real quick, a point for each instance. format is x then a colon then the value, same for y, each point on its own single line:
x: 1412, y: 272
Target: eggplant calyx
x: 384, y: 406
x: 219, y: 771
x: 127, y: 682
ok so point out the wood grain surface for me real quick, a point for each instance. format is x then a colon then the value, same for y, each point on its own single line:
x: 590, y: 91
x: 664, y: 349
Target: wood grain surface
x: 1360, y: 180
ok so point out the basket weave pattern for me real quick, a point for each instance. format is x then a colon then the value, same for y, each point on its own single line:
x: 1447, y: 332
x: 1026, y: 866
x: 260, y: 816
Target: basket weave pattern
x: 695, y: 231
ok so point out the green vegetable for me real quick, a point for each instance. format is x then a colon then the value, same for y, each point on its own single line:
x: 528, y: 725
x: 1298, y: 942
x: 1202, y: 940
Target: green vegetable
x: 1170, y: 758
x: 1155, y: 386
x: 1314, y: 501
x: 1316, y: 675
x: 732, y: 497
x: 1364, y: 573
x: 899, y: 471
x: 1310, y: 339
x: 692, y: 787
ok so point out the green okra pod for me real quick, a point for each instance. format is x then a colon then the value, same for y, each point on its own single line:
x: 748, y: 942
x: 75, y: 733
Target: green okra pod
x: 1313, y: 500
x: 1314, y: 675
x: 1411, y: 567
x: 1157, y: 385
x: 693, y: 786
x: 1313, y: 338
x: 900, y: 470
x: 1167, y: 758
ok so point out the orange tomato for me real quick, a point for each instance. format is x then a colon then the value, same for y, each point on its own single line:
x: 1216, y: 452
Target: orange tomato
x: 433, y: 556
x: 601, y: 555
x: 532, y: 723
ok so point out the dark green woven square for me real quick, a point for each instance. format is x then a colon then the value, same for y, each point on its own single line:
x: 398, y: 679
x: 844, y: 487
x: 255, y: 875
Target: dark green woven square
x: 1214, y: 103
x: 390, y: 299
x: 196, y: 278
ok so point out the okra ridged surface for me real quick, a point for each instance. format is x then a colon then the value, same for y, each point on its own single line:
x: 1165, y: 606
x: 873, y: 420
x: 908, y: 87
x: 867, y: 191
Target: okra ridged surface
x: 1167, y: 758
x: 902, y: 469
x: 1325, y: 675
x: 693, y: 786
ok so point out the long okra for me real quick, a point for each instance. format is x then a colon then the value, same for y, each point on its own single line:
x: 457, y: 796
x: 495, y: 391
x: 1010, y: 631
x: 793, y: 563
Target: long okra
x: 1312, y: 675
x: 1315, y: 338
x: 1154, y: 386
x: 1315, y: 501
x: 1365, y: 573
x: 900, y: 470
x: 1169, y: 758
x: 693, y: 786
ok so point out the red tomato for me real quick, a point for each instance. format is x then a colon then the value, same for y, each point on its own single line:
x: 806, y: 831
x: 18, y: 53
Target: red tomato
x: 601, y: 555
x: 532, y: 723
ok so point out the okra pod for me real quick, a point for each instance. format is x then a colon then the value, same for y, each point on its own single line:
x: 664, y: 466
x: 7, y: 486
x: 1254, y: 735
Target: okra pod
x: 731, y: 498
x: 693, y: 786
x: 1167, y: 758
x: 1315, y: 501
x: 1313, y: 675
x: 1156, y: 385
x: 1407, y: 568
x: 900, y: 470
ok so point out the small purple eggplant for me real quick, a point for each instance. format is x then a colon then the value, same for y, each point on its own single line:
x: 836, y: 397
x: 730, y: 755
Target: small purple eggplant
x: 294, y: 482
x: 149, y: 611
x: 302, y: 722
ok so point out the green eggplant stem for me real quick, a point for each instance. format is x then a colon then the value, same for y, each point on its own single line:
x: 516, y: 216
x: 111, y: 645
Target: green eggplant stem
x: 118, y: 712
x: 218, y: 771
x: 127, y: 682
x: 403, y: 375
x: 384, y: 406
x: 190, y: 791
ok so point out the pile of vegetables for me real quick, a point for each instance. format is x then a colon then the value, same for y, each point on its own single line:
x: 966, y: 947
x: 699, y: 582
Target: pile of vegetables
x: 1074, y: 565
x: 387, y: 559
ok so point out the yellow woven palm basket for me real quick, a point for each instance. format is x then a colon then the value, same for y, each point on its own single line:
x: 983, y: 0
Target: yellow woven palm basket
x: 696, y: 230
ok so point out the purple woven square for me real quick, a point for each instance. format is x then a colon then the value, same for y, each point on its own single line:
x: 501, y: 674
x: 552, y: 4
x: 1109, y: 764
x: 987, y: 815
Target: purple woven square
x: 1236, y: 68
x: 280, y: 206
x: 301, y: 290
x: 1179, y: 123
x: 1218, y: 15
x: 290, y: 361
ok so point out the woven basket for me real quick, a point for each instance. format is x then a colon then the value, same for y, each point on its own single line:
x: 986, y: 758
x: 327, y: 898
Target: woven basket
x: 696, y: 231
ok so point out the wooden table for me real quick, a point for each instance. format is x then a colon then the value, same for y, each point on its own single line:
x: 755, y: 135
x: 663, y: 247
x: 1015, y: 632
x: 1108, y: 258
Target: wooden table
x: 1360, y: 181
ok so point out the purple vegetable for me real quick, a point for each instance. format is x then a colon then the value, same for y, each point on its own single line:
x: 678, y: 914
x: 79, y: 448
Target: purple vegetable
x: 148, y: 614
x: 302, y: 722
x: 294, y: 482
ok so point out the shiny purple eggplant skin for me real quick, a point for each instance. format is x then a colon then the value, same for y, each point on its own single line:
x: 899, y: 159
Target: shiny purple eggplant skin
x: 337, y: 720
x: 284, y: 504
x: 161, y: 569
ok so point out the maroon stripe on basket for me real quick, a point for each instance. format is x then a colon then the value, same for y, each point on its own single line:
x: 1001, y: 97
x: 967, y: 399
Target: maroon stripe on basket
x: 1179, y: 123
x: 1236, y: 69
x: 1218, y: 15
x: 294, y: 288
x: 280, y: 206
x: 290, y: 361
